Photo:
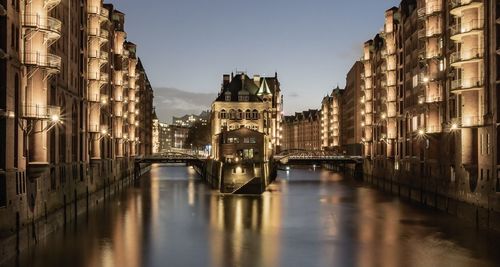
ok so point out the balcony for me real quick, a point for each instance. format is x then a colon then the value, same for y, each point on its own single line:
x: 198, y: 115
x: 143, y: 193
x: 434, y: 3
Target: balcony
x: 104, y: 77
x: 49, y: 62
x: 458, y: 6
x: 48, y: 25
x: 432, y: 54
x: 50, y: 4
x: 39, y: 112
x: 460, y: 85
x: 466, y: 56
x: 98, y: 33
x: 460, y: 30
x: 432, y: 32
x: 94, y: 128
x: 94, y: 76
x: 421, y: 13
x: 471, y: 121
x: 104, y: 34
x: 433, y: 129
x: 104, y: 56
x: 100, y: 11
x: 432, y: 10
x: 433, y: 99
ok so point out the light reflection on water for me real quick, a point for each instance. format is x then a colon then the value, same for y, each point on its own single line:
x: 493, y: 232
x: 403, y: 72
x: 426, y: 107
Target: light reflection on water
x: 308, y: 218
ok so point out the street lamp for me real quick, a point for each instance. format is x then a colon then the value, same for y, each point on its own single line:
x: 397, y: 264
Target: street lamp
x: 454, y: 126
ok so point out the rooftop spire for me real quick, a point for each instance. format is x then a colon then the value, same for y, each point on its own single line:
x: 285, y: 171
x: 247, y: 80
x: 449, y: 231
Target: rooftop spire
x: 264, y: 88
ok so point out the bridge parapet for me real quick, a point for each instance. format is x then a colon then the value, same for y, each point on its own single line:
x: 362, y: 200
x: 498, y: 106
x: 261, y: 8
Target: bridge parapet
x: 315, y: 156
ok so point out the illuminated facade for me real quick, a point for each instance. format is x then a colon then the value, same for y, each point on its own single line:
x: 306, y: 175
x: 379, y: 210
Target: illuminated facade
x: 429, y: 99
x: 254, y: 103
x: 302, y: 131
x: 352, y: 113
x: 331, y: 120
x: 61, y: 119
x: 190, y: 120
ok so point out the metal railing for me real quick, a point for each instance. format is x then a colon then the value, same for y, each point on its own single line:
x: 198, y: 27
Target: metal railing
x: 466, y: 27
x: 460, y: 84
x: 104, y: 56
x: 461, y: 3
x: 104, y: 34
x: 50, y: 4
x: 42, y: 60
x: 42, y: 112
x: 466, y: 55
x: 104, y: 77
x: 98, y: 10
x: 433, y: 129
x: 432, y: 9
x: 45, y: 23
x: 468, y: 121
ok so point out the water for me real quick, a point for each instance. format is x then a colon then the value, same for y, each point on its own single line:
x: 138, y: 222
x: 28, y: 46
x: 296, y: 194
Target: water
x: 309, y: 218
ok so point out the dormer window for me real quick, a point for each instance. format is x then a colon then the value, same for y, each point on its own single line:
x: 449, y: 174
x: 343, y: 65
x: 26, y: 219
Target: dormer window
x: 243, y: 98
x: 227, y: 96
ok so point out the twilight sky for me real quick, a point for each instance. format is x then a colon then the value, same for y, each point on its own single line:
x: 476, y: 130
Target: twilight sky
x: 186, y: 45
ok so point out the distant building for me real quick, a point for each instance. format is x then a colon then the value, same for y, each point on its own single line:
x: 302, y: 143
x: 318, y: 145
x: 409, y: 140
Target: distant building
x: 302, y: 131
x: 351, y: 115
x: 189, y: 120
x: 331, y: 120
x: 156, y: 134
x: 177, y: 136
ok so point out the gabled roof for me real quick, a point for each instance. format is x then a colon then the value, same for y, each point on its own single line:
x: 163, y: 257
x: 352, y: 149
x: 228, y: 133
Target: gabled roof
x: 240, y: 82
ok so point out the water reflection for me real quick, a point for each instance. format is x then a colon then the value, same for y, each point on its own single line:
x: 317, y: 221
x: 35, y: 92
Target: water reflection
x: 308, y: 218
x: 245, y: 230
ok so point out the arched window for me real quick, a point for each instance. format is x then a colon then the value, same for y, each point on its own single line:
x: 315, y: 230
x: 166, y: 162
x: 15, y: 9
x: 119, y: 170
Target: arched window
x: 240, y: 114
x: 223, y: 114
x: 248, y: 114
x: 255, y: 114
x: 232, y: 114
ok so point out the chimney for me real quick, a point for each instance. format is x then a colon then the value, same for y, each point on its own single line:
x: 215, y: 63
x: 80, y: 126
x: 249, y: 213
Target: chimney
x: 256, y: 80
x: 226, y: 79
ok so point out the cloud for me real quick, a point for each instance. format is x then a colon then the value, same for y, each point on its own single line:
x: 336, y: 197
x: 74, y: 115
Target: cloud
x: 175, y: 102
x: 293, y: 95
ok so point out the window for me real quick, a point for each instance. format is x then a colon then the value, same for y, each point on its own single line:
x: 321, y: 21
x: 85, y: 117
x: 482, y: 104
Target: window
x: 415, y: 81
x: 255, y: 114
x: 223, y: 114
x: 248, y: 114
x: 249, y: 140
x: 240, y: 114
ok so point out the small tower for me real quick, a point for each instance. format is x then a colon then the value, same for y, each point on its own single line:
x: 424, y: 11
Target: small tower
x: 264, y: 91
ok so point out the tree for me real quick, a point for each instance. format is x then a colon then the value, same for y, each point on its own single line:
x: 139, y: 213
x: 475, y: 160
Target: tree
x: 199, y: 135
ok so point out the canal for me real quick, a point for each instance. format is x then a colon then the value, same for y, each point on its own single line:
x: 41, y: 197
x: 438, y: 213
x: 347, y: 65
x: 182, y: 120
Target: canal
x: 308, y: 218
